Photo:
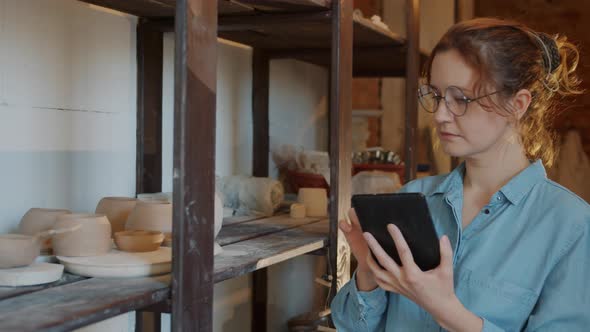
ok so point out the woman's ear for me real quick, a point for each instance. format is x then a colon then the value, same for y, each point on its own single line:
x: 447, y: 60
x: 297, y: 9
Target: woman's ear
x: 521, y: 102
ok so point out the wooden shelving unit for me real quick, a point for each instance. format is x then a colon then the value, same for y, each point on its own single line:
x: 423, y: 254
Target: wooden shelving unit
x: 322, y: 32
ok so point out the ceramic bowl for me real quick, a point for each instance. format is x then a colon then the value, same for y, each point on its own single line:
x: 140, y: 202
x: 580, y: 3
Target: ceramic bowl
x: 138, y: 241
x: 151, y: 216
x: 117, y: 210
x: 92, y: 238
x: 315, y: 201
x: 38, y: 220
x: 17, y: 250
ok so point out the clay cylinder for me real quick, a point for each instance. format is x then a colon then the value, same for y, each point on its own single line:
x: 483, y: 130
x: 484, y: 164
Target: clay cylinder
x: 117, y: 210
x: 315, y: 201
x: 151, y: 216
x: 17, y: 250
x: 38, y: 220
x: 92, y: 238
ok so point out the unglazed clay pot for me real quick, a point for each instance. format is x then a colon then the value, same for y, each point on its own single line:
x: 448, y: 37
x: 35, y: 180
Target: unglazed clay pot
x: 38, y: 220
x: 18, y: 250
x: 117, y: 210
x: 151, y: 216
x: 139, y: 241
x: 315, y: 201
x: 92, y: 238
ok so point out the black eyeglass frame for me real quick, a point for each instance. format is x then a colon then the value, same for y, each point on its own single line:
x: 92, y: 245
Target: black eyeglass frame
x: 438, y: 98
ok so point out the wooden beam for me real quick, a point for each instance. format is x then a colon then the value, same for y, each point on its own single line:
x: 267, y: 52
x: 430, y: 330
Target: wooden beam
x: 261, y: 146
x: 412, y: 77
x: 260, y: 117
x: 150, y: 54
x: 194, y: 164
x: 340, y: 137
x: 268, y: 21
x: 259, y: 300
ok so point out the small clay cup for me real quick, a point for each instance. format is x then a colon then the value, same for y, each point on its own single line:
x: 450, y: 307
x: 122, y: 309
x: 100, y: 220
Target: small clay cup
x: 138, y: 240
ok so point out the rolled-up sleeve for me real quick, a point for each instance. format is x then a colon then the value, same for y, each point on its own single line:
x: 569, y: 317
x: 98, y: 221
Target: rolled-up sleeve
x: 564, y: 302
x: 353, y: 310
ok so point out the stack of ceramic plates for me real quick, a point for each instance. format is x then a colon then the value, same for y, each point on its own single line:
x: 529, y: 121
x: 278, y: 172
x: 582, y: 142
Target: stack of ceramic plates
x: 117, y: 264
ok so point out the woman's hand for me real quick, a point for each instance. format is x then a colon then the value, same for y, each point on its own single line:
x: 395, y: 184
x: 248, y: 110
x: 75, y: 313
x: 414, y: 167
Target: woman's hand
x: 358, y: 245
x: 432, y: 290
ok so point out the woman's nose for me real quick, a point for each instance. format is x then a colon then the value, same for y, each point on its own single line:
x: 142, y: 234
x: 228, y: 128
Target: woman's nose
x: 442, y: 114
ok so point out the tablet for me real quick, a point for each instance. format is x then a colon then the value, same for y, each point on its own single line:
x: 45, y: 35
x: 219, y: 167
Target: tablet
x: 409, y: 212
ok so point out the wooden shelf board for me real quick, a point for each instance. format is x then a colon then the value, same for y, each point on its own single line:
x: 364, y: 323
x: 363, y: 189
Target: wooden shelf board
x: 167, y: 8
x: 260, y: 227
x: 252, y: 244
x: 8, y: 292
x: 247, y: 256
x: 377, y: 52
x: 78, y: 304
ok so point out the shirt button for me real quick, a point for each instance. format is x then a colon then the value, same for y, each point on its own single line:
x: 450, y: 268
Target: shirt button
x: 486, y: 211
x: 499, y: 198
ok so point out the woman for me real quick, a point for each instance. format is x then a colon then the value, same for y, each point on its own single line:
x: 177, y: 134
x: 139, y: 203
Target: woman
x: 515, y: 246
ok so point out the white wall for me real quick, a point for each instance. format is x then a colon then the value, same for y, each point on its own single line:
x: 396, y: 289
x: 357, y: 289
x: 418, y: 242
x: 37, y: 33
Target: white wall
x: 298, y: 109
x: 67, y: 135
x: 67, y: 102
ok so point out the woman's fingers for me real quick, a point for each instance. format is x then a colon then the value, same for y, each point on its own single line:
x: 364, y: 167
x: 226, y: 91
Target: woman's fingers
x: 354, y: 220
x: 382, y: 277
x: 387, y: 262
x: 345, y: 226
x: 403, y: 250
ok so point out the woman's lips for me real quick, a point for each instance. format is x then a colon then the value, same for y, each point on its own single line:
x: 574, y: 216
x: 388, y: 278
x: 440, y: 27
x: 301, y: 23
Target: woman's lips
x: 447, y: 136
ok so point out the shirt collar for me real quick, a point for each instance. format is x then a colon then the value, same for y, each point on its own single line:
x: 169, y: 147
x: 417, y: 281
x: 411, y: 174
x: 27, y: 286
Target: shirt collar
x: 451, y: 181
x: 514, y: 190
x: 523, y: 182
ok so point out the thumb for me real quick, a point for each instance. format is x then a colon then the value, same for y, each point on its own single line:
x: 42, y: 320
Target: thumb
x: 446, y: 252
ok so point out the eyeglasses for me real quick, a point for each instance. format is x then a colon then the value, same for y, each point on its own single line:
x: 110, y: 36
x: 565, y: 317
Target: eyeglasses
x: 454, y: 98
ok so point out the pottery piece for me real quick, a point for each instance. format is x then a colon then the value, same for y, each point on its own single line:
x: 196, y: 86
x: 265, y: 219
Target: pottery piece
x: 218, y: 220
x: 151, y: 216
x: 315, y: 201
x: 117, y: 210
x: 118, y: 264
x: 138, y: 241
x: 297, y: 210
x: 17, y: 250
x: 34, y: 274
x: 38, y: 220
x: 93, y: 237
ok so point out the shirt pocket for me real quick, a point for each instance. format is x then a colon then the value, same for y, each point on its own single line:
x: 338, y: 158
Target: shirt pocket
x: 504, y: 303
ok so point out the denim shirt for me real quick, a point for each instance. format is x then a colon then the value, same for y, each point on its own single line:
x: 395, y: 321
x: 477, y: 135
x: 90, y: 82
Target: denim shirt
x: 522, y: 264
